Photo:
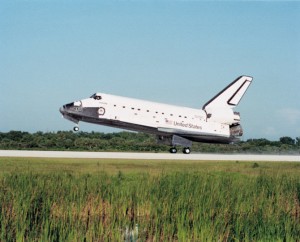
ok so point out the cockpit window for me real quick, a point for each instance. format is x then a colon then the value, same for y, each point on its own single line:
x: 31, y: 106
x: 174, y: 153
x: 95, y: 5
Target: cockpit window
x: 96, y: 96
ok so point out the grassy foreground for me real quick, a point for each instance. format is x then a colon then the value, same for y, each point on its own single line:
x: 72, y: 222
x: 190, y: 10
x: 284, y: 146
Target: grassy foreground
x: 117, y: 200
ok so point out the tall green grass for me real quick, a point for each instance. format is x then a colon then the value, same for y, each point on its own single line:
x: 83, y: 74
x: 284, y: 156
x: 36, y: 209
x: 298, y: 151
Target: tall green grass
x: 172, y: 206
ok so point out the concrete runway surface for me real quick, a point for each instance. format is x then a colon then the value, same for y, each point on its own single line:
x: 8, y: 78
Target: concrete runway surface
x: 149, y: 156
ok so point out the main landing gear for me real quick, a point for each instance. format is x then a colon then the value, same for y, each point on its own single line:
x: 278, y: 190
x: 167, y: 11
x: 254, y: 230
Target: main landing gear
x: 185, y: 150
x: 76, y: 129
x: 173, y: 141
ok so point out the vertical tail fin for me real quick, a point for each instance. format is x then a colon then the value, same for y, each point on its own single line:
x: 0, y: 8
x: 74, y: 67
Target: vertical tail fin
x: 231, y: 95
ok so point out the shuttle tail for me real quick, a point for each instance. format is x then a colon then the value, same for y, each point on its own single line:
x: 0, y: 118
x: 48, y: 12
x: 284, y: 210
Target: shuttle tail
x: 219, y: 108
x: 231, y: 95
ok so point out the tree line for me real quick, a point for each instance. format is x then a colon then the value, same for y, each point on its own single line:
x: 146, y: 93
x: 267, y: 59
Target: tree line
x: 130, y: 141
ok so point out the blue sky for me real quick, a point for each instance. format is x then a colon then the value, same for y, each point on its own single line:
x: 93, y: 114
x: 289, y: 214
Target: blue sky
x: 178, y: 52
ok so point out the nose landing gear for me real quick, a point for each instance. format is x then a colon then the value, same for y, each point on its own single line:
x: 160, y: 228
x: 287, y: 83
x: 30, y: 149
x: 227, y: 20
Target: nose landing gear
x: 76, y: 129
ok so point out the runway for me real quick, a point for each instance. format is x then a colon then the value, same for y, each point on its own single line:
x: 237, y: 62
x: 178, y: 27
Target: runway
x: 149, y: 156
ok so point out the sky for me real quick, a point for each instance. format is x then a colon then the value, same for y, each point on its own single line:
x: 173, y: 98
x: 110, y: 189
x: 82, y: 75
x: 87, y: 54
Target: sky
x: 175, y: 52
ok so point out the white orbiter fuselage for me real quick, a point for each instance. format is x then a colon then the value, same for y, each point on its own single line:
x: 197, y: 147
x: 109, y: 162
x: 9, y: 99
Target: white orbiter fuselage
x: 216, y: 122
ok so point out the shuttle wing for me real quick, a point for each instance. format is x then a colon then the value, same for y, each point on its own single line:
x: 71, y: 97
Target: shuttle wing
x: 181, y: 132
x: 197, y: 136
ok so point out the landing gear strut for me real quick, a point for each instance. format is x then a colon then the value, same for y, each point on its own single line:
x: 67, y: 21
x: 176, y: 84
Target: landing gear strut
x: 76, y: 128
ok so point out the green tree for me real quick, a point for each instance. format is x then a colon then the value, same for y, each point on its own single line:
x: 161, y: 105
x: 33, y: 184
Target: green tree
x: 287, y: 140
x: 298, y: 141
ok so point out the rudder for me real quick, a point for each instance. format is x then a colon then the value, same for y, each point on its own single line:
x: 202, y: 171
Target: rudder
x: 231, y: 95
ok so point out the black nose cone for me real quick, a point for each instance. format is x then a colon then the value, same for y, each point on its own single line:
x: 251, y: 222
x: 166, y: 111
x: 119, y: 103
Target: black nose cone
x: 64, y: 109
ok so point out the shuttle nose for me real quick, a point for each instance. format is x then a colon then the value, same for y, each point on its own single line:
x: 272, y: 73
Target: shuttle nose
x: 62, y: 110
x: 68, y: 112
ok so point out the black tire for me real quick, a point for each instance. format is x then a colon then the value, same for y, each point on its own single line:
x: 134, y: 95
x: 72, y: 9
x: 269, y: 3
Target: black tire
x: 173, y: 150
x: 186, y: 150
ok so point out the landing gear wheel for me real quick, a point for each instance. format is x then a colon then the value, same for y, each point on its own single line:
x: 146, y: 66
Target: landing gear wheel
x: 186, y: 150
x: 76, y: 128
x: 173, y: 150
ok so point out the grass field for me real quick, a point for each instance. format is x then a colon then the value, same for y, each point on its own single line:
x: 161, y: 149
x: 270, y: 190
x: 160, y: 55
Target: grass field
x: 148, y: 200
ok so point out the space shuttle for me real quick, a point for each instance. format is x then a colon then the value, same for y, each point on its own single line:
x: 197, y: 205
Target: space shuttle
x: 215, y: 122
